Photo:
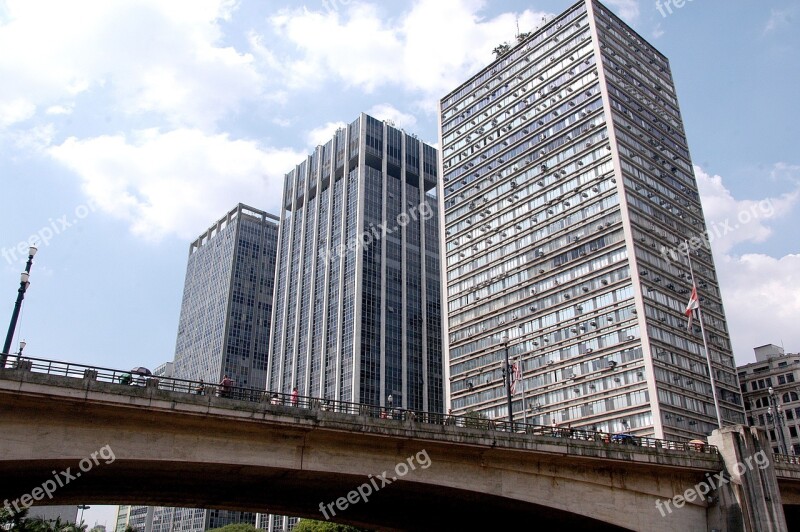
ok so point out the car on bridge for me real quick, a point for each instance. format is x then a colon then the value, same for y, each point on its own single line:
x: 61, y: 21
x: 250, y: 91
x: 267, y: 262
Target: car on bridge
x: 625, y: 439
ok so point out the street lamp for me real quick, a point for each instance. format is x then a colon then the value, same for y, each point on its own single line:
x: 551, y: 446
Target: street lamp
x: 23, y: 286
x: 22, y: 344
x: 508, y: 386
x: 778, y: 413
x: 82, y: 507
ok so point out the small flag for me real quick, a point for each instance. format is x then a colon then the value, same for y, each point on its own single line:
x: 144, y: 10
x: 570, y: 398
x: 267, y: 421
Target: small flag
x: 694, y: 304
x: 516, y: 375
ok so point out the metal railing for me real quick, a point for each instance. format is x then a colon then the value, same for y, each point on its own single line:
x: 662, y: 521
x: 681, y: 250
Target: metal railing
x: 785, y: 459
x: 237, y: 393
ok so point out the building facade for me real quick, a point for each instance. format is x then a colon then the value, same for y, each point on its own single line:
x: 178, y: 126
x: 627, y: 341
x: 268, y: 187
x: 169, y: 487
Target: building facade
x: 569, y: 203
x: 227, y: 300
x: 224, y: 326
x: 65, y: 513
x: 167, y: 369
x: 138, y: 517
x: 358, y: 297
x: 771, y: 390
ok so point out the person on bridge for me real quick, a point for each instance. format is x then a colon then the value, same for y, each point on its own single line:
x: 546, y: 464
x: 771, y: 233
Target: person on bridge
x: 200, y: 389
x: 294, y: 396
x: 225, y: 386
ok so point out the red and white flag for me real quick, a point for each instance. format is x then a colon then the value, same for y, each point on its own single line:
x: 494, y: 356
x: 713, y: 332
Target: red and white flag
x: 694, y: 304
x: 516, y: 375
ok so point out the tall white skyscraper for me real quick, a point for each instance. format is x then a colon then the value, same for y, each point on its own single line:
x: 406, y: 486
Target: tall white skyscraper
x: 569, y: 196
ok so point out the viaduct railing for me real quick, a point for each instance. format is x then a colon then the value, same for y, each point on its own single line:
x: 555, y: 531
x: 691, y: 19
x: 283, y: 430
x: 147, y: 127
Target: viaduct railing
x: 237, y: 393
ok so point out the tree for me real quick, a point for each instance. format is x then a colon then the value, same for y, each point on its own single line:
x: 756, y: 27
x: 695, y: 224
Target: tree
x: 13, y: 520
x: 38, y: 524
x: 310, y: 525
x: 237, y: 527
x: 501, y: 50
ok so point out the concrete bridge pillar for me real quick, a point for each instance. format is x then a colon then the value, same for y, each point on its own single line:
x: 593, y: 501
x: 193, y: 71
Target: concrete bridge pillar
x: 749, y: 499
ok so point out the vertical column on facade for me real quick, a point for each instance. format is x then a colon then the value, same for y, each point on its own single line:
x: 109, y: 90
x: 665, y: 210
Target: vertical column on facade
x: 299, y: 263
x: 359, y: 274
x: 327, y: 253
x: 417, y: 214
x: 404, y: 276
x: 384, y: 249
x: 259, y: 266
x: 311, y: 262
x: 341, y: 254
x: 225, y: 366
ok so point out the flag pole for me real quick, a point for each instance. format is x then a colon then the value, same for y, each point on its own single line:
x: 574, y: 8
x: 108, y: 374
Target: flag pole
x: 522, y: 376
x: 705, y: 342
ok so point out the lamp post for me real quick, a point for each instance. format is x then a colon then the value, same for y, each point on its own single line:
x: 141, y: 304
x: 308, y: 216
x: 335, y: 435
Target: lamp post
x: 774, y: 411
x: 23, y: 286
x: 82, y: 507
x: 508, y: 385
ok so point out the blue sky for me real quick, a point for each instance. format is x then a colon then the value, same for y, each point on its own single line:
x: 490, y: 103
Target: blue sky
x: 128, y: 126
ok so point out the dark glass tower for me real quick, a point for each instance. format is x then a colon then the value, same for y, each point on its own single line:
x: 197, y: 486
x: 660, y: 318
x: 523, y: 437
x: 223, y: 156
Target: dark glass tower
x: 569, y: 194
x: 358, y: 298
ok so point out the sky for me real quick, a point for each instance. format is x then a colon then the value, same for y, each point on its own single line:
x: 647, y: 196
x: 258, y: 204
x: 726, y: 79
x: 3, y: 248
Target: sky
x: 127, y: 127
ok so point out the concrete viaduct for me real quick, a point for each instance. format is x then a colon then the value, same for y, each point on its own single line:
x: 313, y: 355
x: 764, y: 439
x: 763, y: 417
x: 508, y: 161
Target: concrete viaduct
x: 85, y: 441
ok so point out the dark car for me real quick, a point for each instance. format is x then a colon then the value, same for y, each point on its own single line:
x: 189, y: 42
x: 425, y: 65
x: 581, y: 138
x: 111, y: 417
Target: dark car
x: 626, y: 439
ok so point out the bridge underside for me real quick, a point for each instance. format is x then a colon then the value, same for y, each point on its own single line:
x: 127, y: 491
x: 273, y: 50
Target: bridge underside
x: 286, y: 492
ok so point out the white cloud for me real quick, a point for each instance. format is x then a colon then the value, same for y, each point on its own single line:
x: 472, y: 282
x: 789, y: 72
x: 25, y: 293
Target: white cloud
x: 162, y: 57
x: 386, y: 111
x: 761, y: 294
x: 173, y: 183
x: 786, y: 172
x: 282, y: 122
x: 59, y: 110
x: 625, y: 9
x: 33, y: 140
x: 730, y: 221
x: 779, y: 18
x: 762, y: 301
x: 658, y: 31
x: 322, y: 134
x: 397, y: 51
x: 16, y: 110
